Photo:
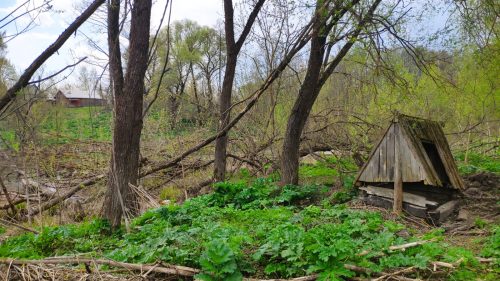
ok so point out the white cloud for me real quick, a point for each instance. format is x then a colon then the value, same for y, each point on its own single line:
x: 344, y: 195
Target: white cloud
x: 205, y: 12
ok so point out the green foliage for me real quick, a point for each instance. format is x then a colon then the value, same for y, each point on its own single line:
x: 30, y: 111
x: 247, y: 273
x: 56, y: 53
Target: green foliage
x: 59, y: 125
x: 263, y: 193
x: 171, y: 193
x: 218, y: 263
x: 480, y: 223
x: 64, y: 125
x: 492, y: 247
x: 260, y: 230
x: 84, y: 238
x: 318, y: 170
x: 477, y: 163
x: 328, y: 170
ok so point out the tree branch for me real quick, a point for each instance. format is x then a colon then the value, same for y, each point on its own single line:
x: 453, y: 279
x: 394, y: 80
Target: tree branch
x: 28, y: 73
x: 57, y: 73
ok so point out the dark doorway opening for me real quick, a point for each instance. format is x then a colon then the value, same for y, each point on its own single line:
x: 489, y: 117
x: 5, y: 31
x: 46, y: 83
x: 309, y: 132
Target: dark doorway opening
x: 433, y: 155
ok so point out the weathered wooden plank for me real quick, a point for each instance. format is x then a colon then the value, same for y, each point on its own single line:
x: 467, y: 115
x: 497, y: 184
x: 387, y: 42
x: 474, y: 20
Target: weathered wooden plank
x: 387, y: 204
x: 414, y: 199
x: 363, y: 169
x: 412, y: 132
x: 444, y: 211
x: 375, y: 166
x: 390, y: 154
x: 398, y: 175
x: 383, y: 160
x: 411, y: 164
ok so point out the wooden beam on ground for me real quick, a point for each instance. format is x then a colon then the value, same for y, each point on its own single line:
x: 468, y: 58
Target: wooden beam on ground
x: 410, y: 198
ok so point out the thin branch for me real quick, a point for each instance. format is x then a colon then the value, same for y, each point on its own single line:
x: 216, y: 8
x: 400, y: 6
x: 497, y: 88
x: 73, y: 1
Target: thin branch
x: 6, y: 222
x: 57, y: 73
x: 40, y: 60
x: 164, y: 69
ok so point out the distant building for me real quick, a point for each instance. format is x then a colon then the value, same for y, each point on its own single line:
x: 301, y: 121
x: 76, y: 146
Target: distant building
x: 75, y: 97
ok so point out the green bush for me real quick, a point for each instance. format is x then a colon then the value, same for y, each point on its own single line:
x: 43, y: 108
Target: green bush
x: 477, y: 163
x: 257, y: 230
x: 218, y: 263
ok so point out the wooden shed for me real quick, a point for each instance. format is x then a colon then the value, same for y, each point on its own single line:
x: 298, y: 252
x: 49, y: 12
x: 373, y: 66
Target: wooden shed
x: 412, y: 163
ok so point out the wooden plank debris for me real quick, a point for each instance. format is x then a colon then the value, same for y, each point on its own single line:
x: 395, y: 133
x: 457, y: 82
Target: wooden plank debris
x: 410, y: 198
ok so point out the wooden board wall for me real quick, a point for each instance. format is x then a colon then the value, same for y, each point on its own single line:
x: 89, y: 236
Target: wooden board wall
x: 380, y: 167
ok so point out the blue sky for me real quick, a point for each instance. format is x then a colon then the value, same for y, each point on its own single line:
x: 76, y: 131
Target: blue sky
x: 22, y: 50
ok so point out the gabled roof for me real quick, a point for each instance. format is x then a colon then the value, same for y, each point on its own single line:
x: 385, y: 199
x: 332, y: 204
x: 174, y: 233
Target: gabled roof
x: 76, y: 93
x: 426, y: 155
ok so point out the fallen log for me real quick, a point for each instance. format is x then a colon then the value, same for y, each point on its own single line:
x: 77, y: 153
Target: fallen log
x: 185, y: 271
x: 7, y: 196
x: 396, y: 273
x: 54, y: 201
x: 166, y: 269
x: 6, y: 222
x: 16, y: 202
x: 409, y: 245
x: 303, y: 278
x: 175, y: 270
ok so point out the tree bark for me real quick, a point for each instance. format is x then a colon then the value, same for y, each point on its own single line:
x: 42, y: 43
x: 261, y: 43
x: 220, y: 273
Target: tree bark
x: 128, y: 106
x: 233, y: 49
x: 313, y: 81
x: 308, y: 92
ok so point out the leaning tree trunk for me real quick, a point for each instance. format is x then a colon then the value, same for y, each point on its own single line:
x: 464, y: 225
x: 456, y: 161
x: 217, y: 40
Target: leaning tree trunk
x: 311, y: 86
x: 128, y: 103
x: 308, y: 93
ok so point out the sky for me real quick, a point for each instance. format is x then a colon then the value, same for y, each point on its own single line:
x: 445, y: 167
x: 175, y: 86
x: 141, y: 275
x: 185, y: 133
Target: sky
x: 23, y: 49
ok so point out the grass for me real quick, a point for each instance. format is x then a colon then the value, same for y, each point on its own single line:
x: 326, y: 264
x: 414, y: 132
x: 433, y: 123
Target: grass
x: 258, y: 230
x: 327, y: 170
x: 61, y: 125
x: 477, y: 163
x: 64, y: 125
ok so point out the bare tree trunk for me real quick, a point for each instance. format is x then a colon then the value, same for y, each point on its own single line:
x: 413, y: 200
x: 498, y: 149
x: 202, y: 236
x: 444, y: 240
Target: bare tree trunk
x: 311, y: 86
x: 233, y: 49
x: 210, y: 92
x: 173, y: 109
x: 224, y: 105
x: 128, y: 92
x: 308, y: 92
x: 199, y: 118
